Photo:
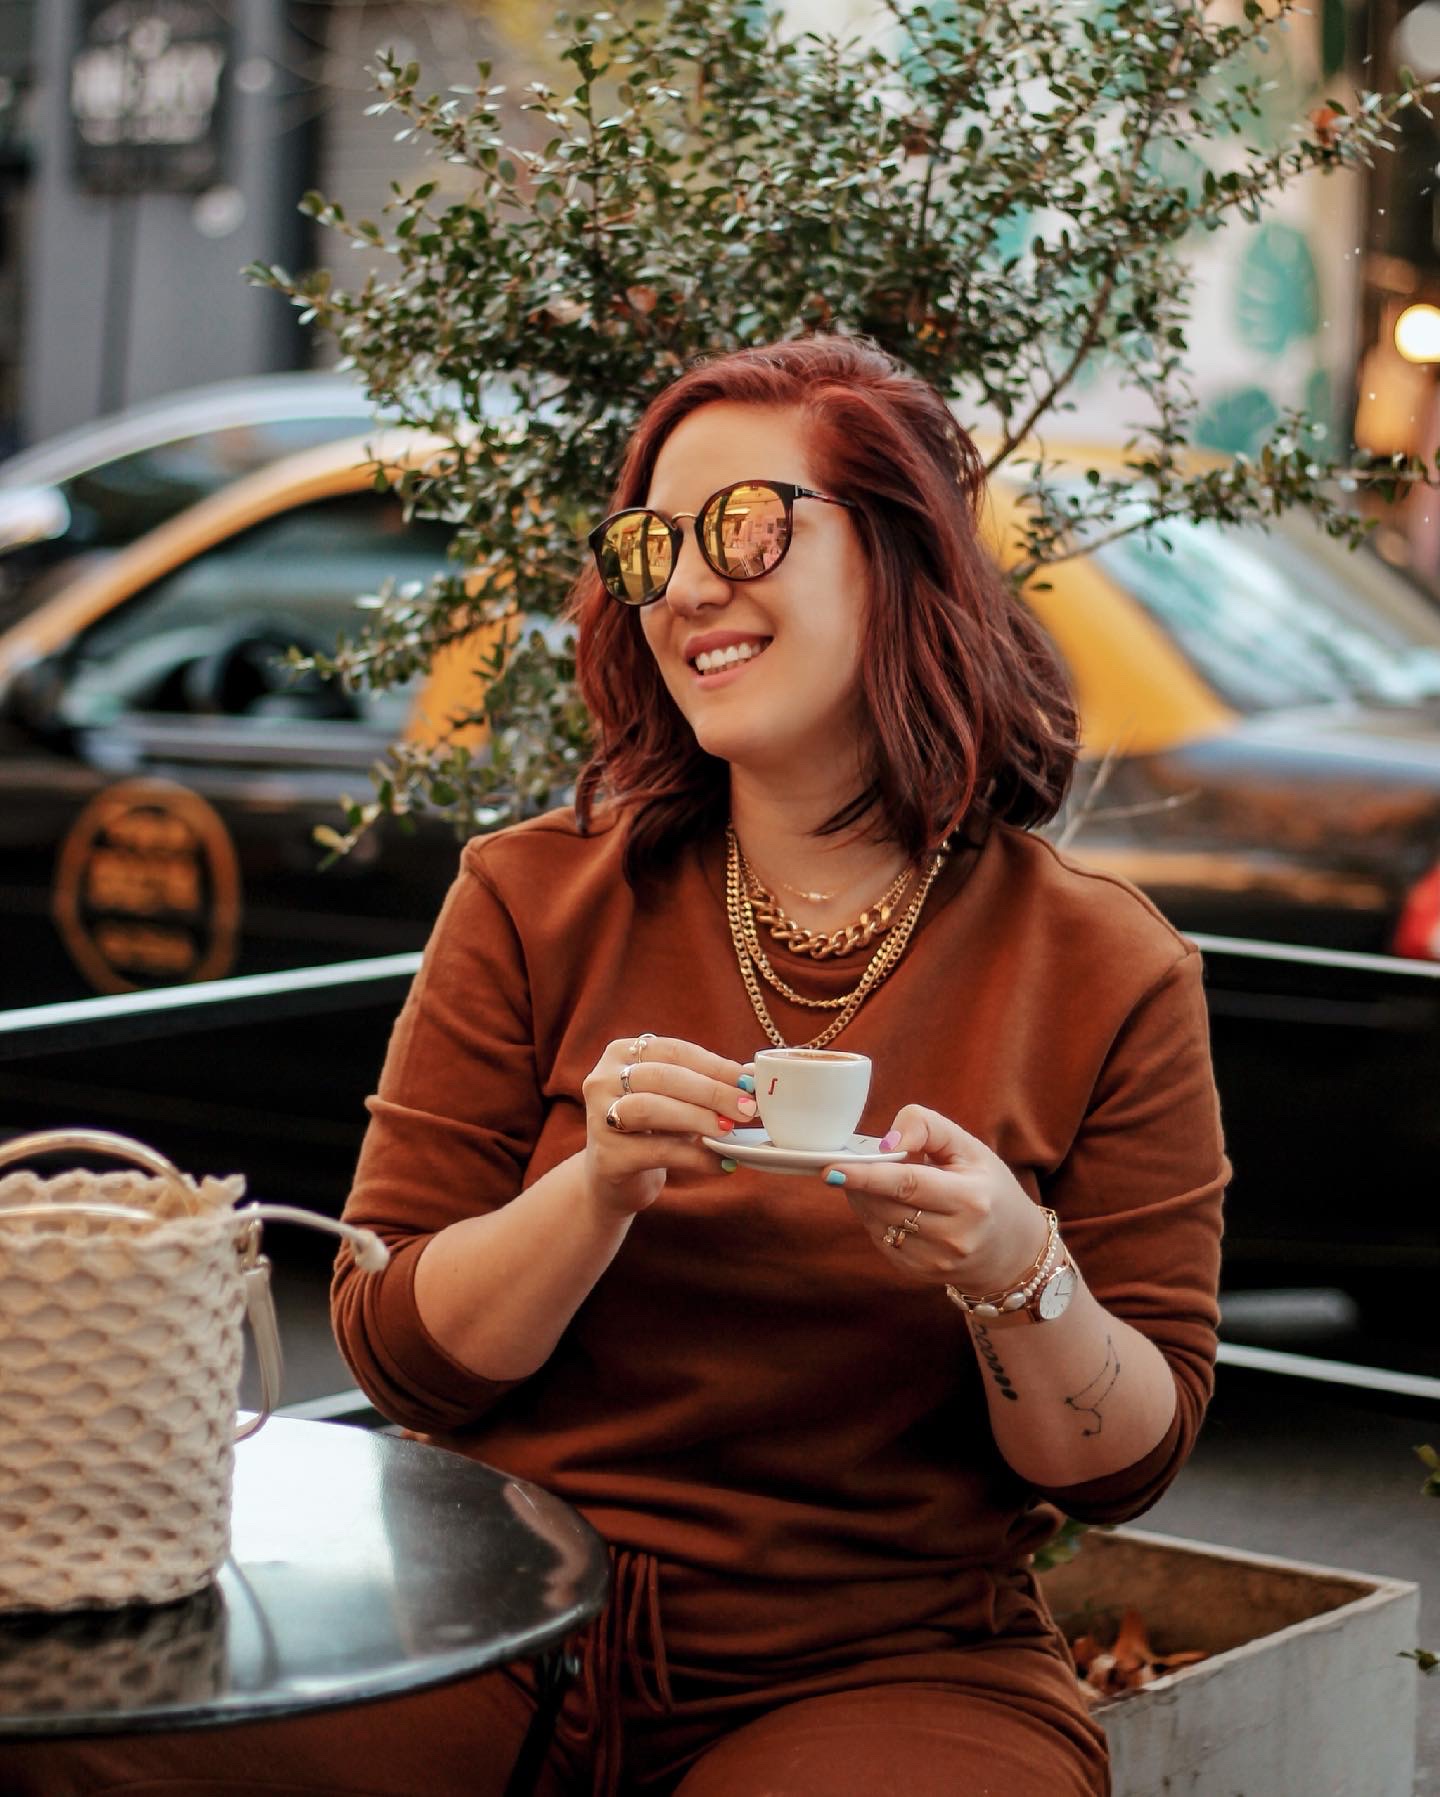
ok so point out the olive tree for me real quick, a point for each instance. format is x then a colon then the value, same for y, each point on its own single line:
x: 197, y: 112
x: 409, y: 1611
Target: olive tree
x: 996, y: 191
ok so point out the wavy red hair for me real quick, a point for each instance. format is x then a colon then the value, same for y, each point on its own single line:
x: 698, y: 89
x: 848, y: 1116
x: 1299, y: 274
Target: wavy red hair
x: 970, y: 709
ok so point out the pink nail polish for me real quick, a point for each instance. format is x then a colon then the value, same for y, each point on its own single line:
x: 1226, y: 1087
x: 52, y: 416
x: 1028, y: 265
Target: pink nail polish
x: 889, y: 1141
x: 748, y: 1106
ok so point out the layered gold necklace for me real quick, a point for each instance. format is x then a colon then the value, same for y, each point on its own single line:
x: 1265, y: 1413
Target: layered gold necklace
x: 744, y: 912
x: 820, y: 945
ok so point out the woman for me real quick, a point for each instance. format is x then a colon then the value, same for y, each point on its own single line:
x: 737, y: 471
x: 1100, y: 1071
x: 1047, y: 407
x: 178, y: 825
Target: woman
x: 824, y: 1474
x: 821, y: 1472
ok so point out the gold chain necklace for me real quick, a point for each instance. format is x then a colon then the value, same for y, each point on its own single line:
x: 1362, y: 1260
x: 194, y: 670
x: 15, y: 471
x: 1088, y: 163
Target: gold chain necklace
x: 820, y: 945
x: 880, y: 965
x: 760, y: 960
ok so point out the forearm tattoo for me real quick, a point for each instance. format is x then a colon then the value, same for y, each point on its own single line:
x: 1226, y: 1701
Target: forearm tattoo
x: 986, y: 1349
x: 1089, y: 1398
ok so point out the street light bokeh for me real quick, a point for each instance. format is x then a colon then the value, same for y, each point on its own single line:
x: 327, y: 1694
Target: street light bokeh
x: 1417, y: 333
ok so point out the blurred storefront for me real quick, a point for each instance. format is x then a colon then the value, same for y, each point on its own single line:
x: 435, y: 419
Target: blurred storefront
x: 169, y: 143
x: 1397, y: 387
x: 149, y: 149
x: 17, y: 65
x: 167, y: 154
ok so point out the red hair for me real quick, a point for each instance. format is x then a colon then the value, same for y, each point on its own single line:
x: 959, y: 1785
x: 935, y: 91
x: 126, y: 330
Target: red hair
x: 969, y: 707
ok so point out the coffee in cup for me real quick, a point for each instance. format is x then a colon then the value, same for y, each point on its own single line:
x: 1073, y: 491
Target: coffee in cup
x: 810, y: 1097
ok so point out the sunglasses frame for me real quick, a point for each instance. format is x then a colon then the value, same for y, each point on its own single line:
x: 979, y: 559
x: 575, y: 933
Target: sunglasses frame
x: 786, y: 491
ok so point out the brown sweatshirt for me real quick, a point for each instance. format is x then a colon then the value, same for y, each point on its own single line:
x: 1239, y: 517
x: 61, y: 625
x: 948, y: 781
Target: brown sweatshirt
x: 798, y: 1436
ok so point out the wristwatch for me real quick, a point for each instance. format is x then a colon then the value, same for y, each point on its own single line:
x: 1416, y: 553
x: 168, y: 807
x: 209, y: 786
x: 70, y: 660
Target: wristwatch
x: 1040, y: 1295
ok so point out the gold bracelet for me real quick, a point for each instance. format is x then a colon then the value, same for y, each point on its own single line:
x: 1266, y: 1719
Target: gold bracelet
x: 1018, y: 1295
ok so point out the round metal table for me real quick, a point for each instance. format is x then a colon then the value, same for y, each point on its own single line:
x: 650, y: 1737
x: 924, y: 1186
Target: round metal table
x: 361, y: 1566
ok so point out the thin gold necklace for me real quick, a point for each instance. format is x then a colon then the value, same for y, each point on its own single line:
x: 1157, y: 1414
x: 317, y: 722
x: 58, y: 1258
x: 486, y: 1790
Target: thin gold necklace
x: 813, y: 898
x: 880, y: 965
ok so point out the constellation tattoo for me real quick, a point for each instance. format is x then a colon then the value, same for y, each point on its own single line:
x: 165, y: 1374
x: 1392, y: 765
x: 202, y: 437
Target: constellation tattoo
x: 987, y: 1353
x: 1089, y: 1398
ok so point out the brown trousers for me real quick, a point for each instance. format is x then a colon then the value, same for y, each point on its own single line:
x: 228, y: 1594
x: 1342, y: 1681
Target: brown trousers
x: 1000, y: 1721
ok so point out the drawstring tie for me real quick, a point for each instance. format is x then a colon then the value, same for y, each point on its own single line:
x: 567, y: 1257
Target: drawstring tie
x: 613, y: 1656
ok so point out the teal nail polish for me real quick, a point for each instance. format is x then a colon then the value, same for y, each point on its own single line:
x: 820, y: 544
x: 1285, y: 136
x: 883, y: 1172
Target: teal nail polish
x: 834, y: 1177
x: 728, y: 1166
x: 745, y: 1083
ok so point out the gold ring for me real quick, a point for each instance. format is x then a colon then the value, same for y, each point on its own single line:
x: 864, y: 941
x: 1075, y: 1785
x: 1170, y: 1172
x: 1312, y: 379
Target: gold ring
x: 613, y: 1119
x: 625, y: 1073
x: 911, y: 1225
x: 637, y: 1047
x: 894, y: 1237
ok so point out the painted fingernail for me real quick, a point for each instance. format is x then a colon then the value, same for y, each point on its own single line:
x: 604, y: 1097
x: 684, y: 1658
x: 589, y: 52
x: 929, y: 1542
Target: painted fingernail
x: 890, y: 1141
x: 834, y: 1177
x: 724, y: 1124
x: 745, y: 1083
x: 747, y: 1105
x: 728, y: 1166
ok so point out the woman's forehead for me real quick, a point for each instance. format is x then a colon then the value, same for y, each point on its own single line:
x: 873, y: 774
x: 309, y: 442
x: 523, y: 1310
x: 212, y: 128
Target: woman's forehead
x: 722, y: 442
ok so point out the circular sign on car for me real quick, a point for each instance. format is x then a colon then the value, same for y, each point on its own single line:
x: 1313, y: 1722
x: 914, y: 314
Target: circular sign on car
x: 147, y: 888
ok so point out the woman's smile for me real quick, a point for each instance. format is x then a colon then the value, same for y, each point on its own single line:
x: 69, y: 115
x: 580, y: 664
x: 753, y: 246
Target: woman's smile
x: 722, y: 655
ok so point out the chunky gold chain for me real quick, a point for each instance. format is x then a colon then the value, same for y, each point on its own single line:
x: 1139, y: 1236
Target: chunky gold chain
x: 880, y: 965
x: 820, y: 945
x: 761, y: 960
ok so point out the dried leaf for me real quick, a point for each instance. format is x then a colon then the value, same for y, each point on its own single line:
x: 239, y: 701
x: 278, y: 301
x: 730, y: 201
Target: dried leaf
x: 1132, y: 1649
x: 1129, y: 1664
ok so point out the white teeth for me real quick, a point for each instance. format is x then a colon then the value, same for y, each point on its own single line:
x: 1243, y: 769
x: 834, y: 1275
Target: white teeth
x: 711, y: 659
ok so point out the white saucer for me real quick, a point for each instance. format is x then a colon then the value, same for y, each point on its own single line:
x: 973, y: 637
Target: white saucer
x: 753, y: 1148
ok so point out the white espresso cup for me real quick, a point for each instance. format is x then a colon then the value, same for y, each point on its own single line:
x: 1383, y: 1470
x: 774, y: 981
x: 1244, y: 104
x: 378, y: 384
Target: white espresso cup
x: 810, y: 1097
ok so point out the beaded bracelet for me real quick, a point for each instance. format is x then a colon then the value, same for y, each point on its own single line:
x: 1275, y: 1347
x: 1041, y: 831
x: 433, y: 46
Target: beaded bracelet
x: 1017, y: 1296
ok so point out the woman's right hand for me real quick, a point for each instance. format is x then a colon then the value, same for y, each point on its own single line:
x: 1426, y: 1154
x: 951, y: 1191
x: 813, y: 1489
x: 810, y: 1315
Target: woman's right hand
x: 678, y: 1092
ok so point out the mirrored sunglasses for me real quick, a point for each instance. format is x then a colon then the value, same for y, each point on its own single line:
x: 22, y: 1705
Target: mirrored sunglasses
x: 743, y: 532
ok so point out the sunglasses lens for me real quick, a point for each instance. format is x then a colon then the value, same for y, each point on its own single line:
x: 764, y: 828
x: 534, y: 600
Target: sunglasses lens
x: 745, y: 530
x: 635, y: 557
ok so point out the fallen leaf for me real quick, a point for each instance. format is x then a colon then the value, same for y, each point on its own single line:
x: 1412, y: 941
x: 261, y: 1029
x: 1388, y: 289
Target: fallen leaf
x: 1129, y: 1664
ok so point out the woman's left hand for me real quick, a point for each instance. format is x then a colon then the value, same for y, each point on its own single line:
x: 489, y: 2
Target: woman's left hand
x: 977, y: 1228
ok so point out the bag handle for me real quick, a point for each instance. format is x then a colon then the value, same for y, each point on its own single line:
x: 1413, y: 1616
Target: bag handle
x: 99, y: 1141
x: 371, y: 1254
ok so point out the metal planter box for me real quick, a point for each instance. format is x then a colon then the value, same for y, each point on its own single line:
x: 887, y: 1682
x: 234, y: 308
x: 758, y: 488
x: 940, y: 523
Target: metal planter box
x: 1304, y: 1694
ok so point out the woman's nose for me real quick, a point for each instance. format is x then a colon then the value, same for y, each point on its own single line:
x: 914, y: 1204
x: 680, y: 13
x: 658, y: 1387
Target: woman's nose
x: 694, y: 585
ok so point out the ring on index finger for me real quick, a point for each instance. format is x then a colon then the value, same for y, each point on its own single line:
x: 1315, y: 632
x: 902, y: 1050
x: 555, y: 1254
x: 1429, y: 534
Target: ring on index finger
x: 637, y: 1047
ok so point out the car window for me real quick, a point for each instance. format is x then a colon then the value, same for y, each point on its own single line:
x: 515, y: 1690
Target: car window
x: 114, y: 502
x: 1285, y: 617
x: 294, y: 578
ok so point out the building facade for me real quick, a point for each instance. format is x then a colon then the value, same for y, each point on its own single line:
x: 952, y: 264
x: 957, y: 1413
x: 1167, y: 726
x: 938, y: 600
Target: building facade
x: 150, y: 149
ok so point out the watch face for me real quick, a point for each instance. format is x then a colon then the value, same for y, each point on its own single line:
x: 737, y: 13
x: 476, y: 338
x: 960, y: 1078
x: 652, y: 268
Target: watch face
x: 1055, y: 1297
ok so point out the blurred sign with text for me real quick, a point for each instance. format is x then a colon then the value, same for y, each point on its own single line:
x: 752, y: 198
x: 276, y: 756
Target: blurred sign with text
x: 146, y: 95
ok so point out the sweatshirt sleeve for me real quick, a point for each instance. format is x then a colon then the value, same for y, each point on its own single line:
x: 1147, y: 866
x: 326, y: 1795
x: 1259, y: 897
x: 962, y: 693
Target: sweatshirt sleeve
x: 452, y: 1128
x: 1139, y: 1203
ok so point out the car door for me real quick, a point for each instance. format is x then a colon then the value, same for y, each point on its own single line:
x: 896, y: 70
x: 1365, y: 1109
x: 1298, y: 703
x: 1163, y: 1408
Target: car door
x: 159, y: 825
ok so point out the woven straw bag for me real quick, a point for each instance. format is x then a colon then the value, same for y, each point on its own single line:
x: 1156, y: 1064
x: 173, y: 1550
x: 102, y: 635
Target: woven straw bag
x: 121, y: 1301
